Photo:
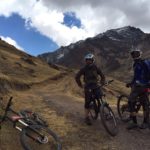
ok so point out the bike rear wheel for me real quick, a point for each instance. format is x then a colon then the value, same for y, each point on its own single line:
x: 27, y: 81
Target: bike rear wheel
x: 36, y: 137
x: 108, y: 119
x: 123, y: 108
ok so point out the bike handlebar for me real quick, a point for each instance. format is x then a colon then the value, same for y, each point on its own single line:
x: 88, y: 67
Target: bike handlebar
x: 110, y: 81
x: 107, y: 83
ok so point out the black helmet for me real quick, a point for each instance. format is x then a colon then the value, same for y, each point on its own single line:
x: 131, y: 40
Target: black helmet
x: 136, y: 53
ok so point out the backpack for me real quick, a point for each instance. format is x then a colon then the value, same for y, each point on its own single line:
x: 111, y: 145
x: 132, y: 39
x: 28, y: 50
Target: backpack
x: 146, y: 66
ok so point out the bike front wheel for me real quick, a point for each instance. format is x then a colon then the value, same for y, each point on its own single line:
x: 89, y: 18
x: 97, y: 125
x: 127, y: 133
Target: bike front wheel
x: 37, y: 137
x: 108, y: 119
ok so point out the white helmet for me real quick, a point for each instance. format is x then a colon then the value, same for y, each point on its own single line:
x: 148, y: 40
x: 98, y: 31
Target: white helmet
x: 136, y: 53
x: 89, y: 56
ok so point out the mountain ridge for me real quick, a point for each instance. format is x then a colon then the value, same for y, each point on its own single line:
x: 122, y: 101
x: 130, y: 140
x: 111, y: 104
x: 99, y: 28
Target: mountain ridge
x: 111, y: 49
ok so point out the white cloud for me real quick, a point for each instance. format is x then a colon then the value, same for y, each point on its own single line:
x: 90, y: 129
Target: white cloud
x: 96, y: 16
x: 12, y: 42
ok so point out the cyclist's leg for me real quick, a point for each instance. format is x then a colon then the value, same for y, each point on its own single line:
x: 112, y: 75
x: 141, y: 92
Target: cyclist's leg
x: 98, y: 93
x: 136, y: 92
x: 132, y: 101
x: 145, y: 103
x: 87, y: 106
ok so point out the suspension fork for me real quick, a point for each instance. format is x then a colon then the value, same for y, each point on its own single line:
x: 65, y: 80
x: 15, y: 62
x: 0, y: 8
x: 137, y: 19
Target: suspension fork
x: 98, y: 104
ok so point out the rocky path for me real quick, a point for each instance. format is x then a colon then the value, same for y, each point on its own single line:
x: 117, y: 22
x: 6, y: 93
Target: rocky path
x: 93, y: 137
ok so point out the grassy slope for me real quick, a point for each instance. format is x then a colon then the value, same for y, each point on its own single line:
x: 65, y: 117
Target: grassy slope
x: 18, y: 70
x: 66, y: 122
x: 19, y: 67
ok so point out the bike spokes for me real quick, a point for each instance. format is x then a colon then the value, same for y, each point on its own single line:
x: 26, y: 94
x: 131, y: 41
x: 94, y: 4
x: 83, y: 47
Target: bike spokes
x: 108, y: 120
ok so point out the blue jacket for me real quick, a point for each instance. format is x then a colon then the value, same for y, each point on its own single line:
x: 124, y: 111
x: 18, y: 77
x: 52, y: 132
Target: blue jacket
x: 140, y: 73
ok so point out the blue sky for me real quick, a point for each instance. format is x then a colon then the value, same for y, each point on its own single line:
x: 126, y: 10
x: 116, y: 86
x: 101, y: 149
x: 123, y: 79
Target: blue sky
x: 70, y: 20
x: 39, y: 26
x: 31, y: 40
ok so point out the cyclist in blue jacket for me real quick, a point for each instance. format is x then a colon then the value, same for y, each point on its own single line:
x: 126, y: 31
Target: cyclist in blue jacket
x: 138, y: 84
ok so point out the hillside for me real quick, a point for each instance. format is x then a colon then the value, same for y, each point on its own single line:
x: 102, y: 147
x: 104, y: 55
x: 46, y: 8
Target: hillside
x: 51, y: 91
x: 59, y: 102
x: 19, y: 70
x: 111, y: 49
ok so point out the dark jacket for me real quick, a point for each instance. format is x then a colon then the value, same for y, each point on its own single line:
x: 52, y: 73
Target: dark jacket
x: 90, y: 75
x: 140, y: 73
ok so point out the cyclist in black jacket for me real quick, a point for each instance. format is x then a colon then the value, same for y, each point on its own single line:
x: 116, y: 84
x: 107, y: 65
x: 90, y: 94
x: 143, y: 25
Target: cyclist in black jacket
x: 90, y: 73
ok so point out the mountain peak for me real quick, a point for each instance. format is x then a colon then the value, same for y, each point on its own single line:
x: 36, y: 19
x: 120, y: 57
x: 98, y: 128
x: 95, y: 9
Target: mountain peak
x: 119, y: 34
x: 127, y: 29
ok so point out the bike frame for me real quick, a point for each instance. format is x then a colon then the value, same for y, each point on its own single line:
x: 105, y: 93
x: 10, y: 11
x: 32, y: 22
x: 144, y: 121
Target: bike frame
x: 138, y: 103
x: 20, y: 123
x: 15, y: 119
x: 101, y: 100
x: 147, y: 93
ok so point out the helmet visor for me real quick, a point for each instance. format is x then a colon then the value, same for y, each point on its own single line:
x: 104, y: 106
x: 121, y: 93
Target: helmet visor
x: 135, y: 54
x: 89, y: 59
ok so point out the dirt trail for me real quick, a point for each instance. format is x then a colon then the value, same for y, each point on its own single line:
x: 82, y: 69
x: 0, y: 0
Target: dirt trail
x: 93, y: 137
x: 63, y: 109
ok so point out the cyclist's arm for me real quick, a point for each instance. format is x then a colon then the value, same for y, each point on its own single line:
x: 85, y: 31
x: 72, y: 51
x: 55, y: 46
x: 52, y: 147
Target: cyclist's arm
x: 78, y: 77
x: 138, y: 71
x: 103, y: 80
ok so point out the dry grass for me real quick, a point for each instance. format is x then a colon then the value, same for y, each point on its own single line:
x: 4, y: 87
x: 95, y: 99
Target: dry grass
x: 55, y: 96
x: 19, y: 70
x: 71, y: 129
x: 60, y: 102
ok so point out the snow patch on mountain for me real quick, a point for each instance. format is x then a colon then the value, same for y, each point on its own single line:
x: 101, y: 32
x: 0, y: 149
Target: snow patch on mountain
x: 60, y: 56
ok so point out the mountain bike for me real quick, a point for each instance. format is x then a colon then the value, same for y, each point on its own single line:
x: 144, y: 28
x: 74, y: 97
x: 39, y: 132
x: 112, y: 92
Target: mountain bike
x: 34, y: 131
x: 100, y: 106
x: 123, y: 108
